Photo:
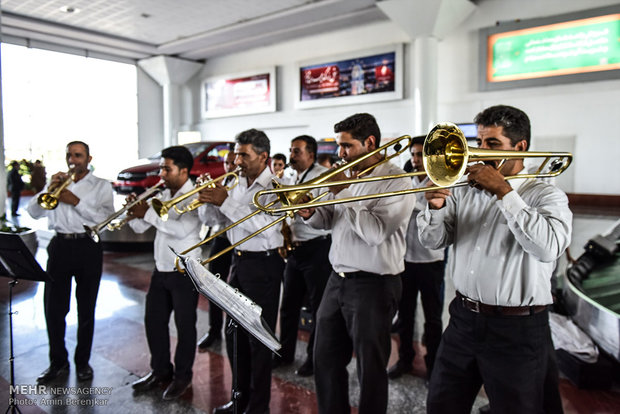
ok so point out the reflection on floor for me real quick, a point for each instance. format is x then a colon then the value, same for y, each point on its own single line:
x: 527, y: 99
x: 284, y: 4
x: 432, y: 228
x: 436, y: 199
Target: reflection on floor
x: 120, y: 353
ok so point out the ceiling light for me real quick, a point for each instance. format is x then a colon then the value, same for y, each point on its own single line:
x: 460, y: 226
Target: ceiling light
x: 69, y: 9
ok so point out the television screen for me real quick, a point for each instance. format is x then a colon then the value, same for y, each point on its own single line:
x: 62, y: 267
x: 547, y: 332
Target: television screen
x: 574, y: 47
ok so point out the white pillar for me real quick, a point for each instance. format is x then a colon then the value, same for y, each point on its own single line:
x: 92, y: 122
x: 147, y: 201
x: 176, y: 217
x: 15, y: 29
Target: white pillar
x: 425, y: 83
x: 171, y: 73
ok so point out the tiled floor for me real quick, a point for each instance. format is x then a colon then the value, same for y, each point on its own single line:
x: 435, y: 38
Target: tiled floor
x: 120, y: 353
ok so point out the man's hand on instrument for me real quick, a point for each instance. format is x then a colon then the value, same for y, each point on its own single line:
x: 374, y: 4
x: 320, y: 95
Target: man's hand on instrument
x: 487, y: 177
x: 213, y: 195
x: 66, y: 196
x: 306, y: 213
x: 341, y: 176
x: 137, y: 210
x: 436, y: 198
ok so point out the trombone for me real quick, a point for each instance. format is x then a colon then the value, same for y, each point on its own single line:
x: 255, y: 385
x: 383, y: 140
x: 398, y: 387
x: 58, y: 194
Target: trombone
x: 445, y: 157
x: 93, y: 231
x: 289, y: 196
x: 163, y: 207
x: 49, y: 200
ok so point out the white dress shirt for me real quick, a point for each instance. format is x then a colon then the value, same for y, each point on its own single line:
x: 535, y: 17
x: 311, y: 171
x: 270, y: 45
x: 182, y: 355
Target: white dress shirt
x: 300, y: 230
x: 368, y: 235
x: 179, y: 231
x: 238, y: 205
x: 96, y: 204
x: 504, y: 251
x: 416, y: 253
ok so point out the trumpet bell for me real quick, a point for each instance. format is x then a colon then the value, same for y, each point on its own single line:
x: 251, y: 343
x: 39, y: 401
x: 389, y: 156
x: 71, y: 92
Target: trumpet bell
x: 160, y: 208
x: 47, y: 201
x: 445, y: 154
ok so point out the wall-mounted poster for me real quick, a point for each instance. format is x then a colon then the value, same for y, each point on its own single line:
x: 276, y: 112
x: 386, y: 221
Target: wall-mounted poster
x: 574, y: 47
x: 374, y: 75
x: 239, y: 94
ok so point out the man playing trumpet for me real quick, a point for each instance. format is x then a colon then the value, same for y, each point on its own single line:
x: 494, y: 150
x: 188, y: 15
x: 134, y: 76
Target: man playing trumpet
x: 170, y: 290
x: 256, y: 266
x: 86, y: 199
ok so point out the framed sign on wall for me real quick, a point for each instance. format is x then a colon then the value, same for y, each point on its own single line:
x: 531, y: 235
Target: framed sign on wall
x: 358, y: 77
x: 239, y: 94
x: 574, y: 47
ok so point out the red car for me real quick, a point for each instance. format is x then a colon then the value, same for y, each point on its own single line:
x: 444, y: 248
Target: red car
x: 208, y: 157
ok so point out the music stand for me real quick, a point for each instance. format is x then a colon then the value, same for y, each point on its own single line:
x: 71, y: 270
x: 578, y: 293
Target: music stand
x: 241, y: 310
x: 16, y: 262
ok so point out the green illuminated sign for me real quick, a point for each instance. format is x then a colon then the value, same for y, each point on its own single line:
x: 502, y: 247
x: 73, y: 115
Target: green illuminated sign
x: 585, y: 45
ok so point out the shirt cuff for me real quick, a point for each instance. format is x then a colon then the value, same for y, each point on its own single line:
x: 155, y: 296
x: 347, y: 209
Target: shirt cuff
x: 511, y: 203
x: 151, y: 216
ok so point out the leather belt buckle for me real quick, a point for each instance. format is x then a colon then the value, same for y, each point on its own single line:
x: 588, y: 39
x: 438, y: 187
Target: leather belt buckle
x: 471, y: 304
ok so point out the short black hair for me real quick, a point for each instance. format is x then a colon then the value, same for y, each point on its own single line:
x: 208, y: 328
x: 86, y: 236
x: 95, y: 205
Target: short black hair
x: 418, y: 140
x: 180, y: 156
x: 279, y: 156
x: 85, y: 145
x: 360, y: 126
x: 311, y: 144
x: 258, y: 139
x: 515, y: 122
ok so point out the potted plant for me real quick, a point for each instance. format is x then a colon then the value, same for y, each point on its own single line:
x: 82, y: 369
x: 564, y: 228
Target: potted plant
x: 27, y: 234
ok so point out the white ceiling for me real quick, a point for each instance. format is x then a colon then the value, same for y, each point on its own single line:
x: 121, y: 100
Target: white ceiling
x: 190, y: 29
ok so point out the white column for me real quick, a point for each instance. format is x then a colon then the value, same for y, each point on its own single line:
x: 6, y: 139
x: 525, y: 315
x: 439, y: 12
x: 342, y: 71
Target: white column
x: 425, y: 83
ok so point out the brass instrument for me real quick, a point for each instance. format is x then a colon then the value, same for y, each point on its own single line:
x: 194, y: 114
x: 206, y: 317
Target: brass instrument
x: 109, y: 224
x: 291, y: 197
x: 163, y: 207
x: 446, y: 156
x: 49, y: 200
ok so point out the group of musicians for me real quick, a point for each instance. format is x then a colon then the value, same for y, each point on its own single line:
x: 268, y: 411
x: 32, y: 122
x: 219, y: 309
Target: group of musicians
x: 359, y: 263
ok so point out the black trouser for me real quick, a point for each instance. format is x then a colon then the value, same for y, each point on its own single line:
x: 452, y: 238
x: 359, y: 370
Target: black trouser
x: 307, y: 270
x: 511, y: 355
x: 219, y: 266
x: 15, y: 196
x: 67, y: 258
x: 426, y: 279
x: 171, y: 291
x: 257, y: 276
x: 355, y: 315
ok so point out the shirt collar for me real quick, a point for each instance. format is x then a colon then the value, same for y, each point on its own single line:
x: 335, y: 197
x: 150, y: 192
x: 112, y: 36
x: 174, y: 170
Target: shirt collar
x: 263, y: 179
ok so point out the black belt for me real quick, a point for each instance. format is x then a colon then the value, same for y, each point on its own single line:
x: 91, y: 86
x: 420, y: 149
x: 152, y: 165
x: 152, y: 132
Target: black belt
x: 479, y: 307
x: 72, y: 236
x: 264, y: 253
x: 311, y: 241
x: 358, y: 275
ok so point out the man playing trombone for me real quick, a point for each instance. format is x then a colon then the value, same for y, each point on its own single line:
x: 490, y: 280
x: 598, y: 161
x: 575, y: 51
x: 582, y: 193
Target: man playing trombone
x: 307, y: 267
x: 256, y: 267
x: 362, y: 293
x: 170, y: 290
x: 505, y: 239
x: 85, y: 199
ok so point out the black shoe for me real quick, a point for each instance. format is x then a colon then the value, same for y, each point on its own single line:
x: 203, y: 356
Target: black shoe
x: 209, y: 339
x: 398, y: 370
x: 280, y: 362
x: 52, y: 372
x: 176, y: 389
x: 227, y: 408
x: 306, y: 369
x: 84, y: 372
x: 149, y: 382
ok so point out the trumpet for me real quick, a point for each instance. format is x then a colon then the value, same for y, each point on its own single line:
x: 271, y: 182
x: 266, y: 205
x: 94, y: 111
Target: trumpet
x: 285, y: 196
x: 49, y: 200
x: 163, y: 207
x: 93, y: 231
x: 445, y: 157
